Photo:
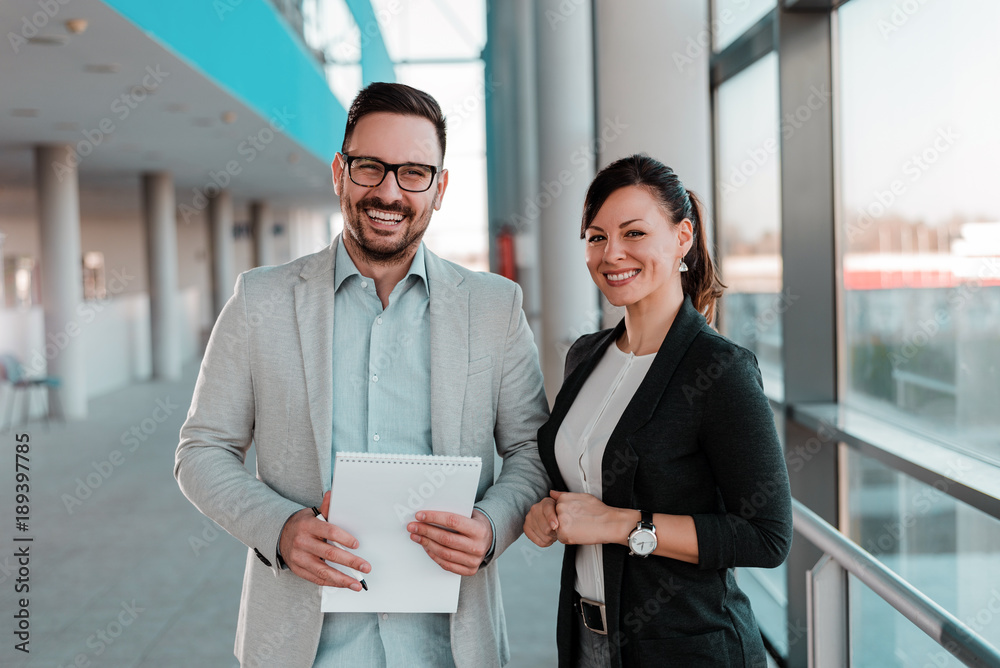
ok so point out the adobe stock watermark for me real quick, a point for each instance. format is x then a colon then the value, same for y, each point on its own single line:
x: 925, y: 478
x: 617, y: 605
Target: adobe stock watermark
x: 565, y: 9
x: 790, y: 123
x: 248, y: 149
x: 912, y: 170
x: 417, y: 497
x: 706, y: 376
x: 927, y: 329
x: 31, y: 26
x: 122, y: 107
x: 977, y: 623
x: 581, y: 158
x: 767, y: 318
x: 900, y: 15
x: 231, y: 510
x: 347, y: 52
x: 922, y: 503
x: 132, y: 438
x: 102, y: 638
x: 697, y: 45
x: 86, y: 312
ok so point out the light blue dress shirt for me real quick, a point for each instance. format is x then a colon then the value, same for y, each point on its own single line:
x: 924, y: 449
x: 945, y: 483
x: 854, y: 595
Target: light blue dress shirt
x: 382, y: 403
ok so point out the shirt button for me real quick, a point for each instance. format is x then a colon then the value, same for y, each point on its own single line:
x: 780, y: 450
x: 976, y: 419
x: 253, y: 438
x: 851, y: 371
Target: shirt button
x: 375, y: 378
x: 378, y: 321
x: 364, y: 284
x: 385, y: 616
x: 375, y: 437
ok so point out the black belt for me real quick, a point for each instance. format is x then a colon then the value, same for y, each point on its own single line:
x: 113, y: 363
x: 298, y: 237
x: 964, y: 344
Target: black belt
x: 594, y: 615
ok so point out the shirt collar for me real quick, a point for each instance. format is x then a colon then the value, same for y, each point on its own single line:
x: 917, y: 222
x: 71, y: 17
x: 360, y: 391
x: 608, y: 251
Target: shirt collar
x: 346, y: 268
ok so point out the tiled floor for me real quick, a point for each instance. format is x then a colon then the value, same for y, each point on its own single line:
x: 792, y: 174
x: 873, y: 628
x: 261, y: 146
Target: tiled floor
x: 124, y: 571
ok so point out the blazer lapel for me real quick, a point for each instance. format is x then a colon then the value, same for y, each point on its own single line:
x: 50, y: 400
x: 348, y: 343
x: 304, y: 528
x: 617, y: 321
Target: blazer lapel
x: 619, y: 457
x: 564, y: 400
x: 449, y: 331
x: 314, y: 315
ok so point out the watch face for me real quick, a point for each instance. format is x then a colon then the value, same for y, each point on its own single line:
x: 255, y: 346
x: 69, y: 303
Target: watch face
x: 642, y: 542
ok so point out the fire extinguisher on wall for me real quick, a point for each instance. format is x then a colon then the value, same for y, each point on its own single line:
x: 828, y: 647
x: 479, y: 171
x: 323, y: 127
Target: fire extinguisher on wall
x: 506, y: 265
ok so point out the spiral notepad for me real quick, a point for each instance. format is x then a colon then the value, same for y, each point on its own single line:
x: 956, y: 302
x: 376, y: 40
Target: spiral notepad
x: 374, y: 497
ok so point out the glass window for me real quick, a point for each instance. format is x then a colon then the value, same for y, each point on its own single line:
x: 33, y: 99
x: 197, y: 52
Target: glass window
x: 747, y: 210
x: 731, y: 18
x: 941, y: 546
x: 919, y: 220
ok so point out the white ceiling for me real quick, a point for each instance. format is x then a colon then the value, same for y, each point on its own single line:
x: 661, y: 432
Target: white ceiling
x: 177, y: 127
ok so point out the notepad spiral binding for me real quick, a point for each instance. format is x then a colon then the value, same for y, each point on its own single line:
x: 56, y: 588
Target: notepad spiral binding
x: 389, y: 458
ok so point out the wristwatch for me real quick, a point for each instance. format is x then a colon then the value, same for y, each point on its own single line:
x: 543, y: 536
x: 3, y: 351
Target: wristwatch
x: 642, y: 539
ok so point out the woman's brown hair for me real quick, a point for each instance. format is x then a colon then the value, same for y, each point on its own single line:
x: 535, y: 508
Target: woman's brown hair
x: 701, y: 280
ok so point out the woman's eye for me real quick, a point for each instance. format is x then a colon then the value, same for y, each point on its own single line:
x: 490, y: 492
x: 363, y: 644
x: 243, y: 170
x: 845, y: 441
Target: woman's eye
x: 595, y: 238
x: 635, y: 233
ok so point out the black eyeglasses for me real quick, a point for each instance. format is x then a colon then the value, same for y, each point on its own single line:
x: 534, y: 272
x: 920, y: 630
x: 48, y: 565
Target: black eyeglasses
x: 370, y: 172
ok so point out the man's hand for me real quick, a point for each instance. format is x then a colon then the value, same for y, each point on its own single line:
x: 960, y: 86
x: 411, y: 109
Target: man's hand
x: 461, y: 546
x: 304, y: 548
x: 541, y: 524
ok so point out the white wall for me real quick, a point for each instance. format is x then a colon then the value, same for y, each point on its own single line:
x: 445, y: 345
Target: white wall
x: 653, y: 93
x: 653, y: 90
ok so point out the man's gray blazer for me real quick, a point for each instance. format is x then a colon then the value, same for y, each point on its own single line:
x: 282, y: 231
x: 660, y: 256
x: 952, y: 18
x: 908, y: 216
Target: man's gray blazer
x: 267, y: 377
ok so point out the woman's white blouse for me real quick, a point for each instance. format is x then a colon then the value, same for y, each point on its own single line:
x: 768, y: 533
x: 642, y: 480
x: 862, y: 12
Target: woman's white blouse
x: 582, y: 438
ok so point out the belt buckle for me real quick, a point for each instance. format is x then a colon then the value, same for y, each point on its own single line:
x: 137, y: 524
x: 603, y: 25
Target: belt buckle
x: 604, y: 615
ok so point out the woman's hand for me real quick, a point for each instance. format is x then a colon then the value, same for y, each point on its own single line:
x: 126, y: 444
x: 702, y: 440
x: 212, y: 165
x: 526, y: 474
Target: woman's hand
x: 541, y: 524
x: 583, y: 519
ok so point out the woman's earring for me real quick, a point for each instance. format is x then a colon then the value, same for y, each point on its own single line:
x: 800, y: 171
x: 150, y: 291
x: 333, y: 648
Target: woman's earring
x: 683, y: 266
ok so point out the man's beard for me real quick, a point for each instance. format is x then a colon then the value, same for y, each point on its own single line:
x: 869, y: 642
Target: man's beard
x: 373, y: 246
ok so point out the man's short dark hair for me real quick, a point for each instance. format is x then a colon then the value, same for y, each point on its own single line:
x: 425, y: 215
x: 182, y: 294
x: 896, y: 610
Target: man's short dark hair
x: 394, y: 98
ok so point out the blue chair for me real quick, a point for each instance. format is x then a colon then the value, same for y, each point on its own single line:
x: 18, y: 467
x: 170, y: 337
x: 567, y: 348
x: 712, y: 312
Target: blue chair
x: 12, y: 372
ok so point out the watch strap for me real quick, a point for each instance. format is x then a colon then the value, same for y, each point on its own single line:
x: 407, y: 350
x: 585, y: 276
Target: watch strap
x: 646, y: 520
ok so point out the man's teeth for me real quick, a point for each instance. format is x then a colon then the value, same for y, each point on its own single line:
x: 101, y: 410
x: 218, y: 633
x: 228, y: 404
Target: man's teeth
x: 622, y: 276
x: 384, y: 217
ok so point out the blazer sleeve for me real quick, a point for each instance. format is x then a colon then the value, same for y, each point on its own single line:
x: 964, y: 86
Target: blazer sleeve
x: 209, y: 463
x: 521, y: 409
x: 739, y: 439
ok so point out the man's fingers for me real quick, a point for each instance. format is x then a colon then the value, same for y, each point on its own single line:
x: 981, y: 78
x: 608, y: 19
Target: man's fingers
x: 333, y: 533
x: 449, y: 539
x: 324, y: 508
x: 448, y: 520
x: 345, y: 558
x: 325, y: 576
x: 451, y: 566
x: 448, y: 559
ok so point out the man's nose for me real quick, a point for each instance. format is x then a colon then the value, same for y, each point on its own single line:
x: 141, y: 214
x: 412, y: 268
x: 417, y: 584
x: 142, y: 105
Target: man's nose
x: 389, y: 188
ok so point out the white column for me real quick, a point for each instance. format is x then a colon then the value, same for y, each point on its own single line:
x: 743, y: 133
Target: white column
x: 662, y: 109
x: 566, y: 166
x: 220, y: 220
x: 161, y: 255
x: 61, y: 275
x: 260, y: 223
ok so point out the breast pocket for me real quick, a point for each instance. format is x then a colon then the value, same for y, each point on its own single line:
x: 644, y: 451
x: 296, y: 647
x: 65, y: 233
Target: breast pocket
x: 480, y: 365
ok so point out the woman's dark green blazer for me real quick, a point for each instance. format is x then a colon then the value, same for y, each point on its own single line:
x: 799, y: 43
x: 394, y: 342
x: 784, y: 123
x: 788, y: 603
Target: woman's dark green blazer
x: 697, y: 439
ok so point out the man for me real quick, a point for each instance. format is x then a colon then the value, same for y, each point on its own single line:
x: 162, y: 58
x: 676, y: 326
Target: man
x: 375, y: 344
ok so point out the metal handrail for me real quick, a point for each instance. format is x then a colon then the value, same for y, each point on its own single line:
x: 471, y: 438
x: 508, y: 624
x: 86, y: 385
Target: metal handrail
x: 942, y: 626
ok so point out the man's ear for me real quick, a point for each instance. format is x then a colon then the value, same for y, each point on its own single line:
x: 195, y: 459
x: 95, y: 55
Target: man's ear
x: 337, y: 166
x: 442, y: 185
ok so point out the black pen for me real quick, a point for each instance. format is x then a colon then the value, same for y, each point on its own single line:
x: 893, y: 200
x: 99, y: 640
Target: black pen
x: 357, y: 576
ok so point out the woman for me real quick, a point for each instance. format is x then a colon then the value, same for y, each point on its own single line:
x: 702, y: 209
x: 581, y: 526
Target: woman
x: 666, y: 468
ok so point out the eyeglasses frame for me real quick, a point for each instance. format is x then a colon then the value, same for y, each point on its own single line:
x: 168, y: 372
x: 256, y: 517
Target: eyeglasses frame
x: 388, y: 167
